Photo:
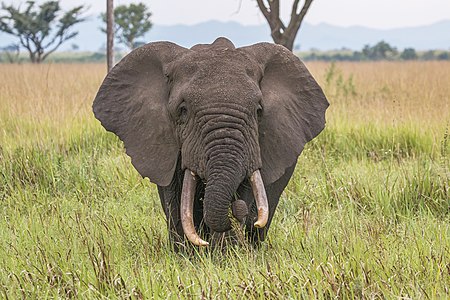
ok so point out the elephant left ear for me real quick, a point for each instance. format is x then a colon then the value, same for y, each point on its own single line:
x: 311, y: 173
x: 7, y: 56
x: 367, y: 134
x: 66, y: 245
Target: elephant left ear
x: 294, y: 108
x: 132, y: 102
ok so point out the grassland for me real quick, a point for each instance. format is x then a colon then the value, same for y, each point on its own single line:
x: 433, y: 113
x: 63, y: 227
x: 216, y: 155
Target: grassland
x: 366, y: 215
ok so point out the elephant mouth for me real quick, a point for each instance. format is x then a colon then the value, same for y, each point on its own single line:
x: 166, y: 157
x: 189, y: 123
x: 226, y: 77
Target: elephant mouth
x: 187, y: 205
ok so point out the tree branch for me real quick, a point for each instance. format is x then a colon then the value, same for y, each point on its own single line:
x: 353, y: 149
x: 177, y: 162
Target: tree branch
x: 297, y: 18
x: 26, y: 45
x: 264, y: 10
x: 61, y: 40
x: 280, y: 33
x: 305, y: 9
x: 294, y: 9
x: 274, y: 8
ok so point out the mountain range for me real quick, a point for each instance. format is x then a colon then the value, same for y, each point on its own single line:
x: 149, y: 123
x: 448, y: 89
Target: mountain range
x: 322, y: 36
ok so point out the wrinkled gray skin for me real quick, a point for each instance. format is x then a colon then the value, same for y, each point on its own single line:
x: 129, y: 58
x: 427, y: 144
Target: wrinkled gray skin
x: 219, y: 111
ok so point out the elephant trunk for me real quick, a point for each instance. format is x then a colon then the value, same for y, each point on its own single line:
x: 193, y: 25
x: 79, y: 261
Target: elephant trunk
x: 229, y: 156
x: 224, y: 177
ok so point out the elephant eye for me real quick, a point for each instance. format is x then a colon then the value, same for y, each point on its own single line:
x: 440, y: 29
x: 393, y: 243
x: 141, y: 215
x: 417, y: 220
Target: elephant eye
x: 169, y: 78
x: 259, y: 111
x: 182, y: 112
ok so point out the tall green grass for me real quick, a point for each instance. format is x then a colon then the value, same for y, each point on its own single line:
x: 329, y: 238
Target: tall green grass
x: 366, y: 214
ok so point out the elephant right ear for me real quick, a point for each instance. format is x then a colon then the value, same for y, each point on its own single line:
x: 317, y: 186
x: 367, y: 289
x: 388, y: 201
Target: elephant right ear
x: 132, y: 103
x: 294, y: 108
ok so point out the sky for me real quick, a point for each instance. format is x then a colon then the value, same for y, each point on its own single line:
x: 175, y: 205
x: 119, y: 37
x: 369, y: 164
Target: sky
x: 380, y: 14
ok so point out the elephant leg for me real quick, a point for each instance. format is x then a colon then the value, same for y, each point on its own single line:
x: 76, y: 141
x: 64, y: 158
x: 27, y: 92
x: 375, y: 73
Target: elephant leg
x: 170, y: 201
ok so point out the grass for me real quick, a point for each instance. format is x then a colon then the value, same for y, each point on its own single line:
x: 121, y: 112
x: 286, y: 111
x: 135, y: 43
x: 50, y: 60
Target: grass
x: 366, y: 215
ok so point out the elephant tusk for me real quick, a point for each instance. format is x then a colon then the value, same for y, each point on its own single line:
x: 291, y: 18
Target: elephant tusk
x: 187, y: 207
x: 259, y: 193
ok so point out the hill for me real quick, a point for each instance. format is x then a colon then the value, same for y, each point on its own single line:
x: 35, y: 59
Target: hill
x: 322, y: 36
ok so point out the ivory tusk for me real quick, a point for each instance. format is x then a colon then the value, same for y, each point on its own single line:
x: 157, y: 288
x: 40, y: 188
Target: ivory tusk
x: 187, y: 208
x: 259, y: 193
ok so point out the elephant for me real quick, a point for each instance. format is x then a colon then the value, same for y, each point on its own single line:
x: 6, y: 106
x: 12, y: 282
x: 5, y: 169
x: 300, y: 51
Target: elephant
x: 217, y: 128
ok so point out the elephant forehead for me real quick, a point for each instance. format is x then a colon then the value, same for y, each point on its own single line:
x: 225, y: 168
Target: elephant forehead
x: 220, y: 87
x: 218, y: 63
x: 216, y: 76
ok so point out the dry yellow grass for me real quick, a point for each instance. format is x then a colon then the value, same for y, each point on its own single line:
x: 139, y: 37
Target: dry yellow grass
x: 50, y: 91
x: 386, y: 92
x: 389, y: 93
x: 46, y: 102
x: 41, y: 101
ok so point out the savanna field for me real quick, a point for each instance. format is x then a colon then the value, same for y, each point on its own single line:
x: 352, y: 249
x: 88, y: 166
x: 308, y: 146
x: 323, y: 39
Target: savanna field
x: 366, y: 215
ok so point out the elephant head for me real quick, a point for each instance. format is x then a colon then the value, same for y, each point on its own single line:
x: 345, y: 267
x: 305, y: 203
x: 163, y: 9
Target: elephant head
x: 223, y: 116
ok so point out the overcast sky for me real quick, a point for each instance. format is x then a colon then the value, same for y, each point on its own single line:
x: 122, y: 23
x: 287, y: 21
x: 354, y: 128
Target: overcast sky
x: 381, y: 14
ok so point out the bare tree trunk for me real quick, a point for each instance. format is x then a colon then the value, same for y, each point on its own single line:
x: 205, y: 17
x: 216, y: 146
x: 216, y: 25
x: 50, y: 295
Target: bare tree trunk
x: 110, y: 34
x: 281, y: 34
x: 32, y: 59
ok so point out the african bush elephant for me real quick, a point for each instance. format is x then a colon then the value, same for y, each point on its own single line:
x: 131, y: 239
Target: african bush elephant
x: 215, y: 127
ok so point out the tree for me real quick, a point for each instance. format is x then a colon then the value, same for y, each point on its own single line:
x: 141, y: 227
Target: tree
x: 429, y: 55
x: 131, y: 22
x: 280, y: 33
x: 443, y: 56
x: 40, y: 29
x: 381, y: 50
x: 408, y: 54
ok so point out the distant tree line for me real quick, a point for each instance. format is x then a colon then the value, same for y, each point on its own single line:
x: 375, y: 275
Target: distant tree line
x: 380, y: 51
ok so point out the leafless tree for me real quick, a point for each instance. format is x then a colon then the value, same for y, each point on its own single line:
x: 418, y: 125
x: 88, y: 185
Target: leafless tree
x: 280, y: 33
